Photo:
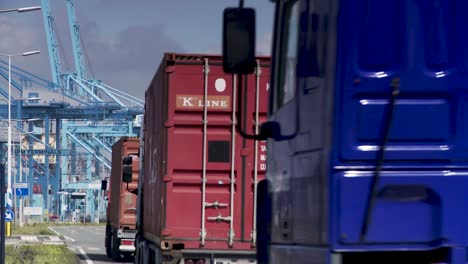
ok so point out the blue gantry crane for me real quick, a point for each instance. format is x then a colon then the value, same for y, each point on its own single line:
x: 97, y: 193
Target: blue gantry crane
x: 85, y: 134
x: 71, y: 128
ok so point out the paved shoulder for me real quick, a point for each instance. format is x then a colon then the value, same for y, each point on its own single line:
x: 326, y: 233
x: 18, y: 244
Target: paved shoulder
x: 86, y: 241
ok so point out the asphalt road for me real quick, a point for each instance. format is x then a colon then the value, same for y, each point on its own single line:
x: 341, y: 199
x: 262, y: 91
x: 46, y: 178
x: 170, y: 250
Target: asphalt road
x: 87, y: 242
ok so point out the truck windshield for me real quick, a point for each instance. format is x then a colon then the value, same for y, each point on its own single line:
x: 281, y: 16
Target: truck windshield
x: 287, y: 26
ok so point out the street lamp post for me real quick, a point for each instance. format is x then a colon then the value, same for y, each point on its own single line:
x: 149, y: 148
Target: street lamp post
x: 2, y: 217
x: 2, y: 176
x: 20, y: 211
x: 9, y: 191
x: 20, y: 134
x: 20, y: 141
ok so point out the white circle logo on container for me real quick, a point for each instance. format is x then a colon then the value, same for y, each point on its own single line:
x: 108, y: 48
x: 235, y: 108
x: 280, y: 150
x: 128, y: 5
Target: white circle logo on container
x: 220, y: 85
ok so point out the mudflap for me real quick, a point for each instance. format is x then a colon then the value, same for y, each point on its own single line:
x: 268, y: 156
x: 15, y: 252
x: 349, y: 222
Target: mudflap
x: 107, y: 241
x: 115, y: 242
x: 263, y: 221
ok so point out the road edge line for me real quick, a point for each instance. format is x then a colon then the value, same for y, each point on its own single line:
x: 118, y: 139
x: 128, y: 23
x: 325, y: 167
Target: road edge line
x: 69, y: 239
x: 58, y: 234
x: 50, y: 228
x: 83, y: 253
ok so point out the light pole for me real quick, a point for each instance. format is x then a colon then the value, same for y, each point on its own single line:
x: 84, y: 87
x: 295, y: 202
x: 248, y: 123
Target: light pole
x: 9, y: 192
x: 21, y: 215
x: 20, y: 211
x: 2, y: 176
x: 20, y: 141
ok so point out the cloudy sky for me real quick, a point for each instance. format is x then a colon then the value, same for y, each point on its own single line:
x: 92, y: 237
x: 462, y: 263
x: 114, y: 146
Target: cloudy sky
x: 124, y: 39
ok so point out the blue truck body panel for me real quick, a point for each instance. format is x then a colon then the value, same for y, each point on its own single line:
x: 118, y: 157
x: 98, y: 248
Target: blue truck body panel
x: 419, y: 42
x: 421, y: 193
x: 321, y: 180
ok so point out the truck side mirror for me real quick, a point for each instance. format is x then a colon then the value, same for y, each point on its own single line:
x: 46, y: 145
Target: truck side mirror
x: 239, y: 40
x: 127, y: 169
x: 103, y: 185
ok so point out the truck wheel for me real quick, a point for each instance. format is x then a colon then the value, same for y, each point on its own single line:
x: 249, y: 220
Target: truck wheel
x: 115, y: 252
x: 128, y: 256
x: 107, y: 242
x: 138, y: 254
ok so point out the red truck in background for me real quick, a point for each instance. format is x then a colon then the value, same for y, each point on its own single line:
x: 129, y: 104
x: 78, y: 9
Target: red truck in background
x: 199, y: 176
x: 121, y: 209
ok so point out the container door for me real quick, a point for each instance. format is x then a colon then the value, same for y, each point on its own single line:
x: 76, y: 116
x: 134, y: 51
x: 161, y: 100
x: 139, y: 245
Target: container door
x: 203, y: 169
x: 212, y: 171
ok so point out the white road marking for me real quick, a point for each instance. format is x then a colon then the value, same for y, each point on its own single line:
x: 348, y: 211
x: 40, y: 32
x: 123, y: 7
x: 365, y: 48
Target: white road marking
x: 83, y: 253
x: 69, y: 239
x: 94, y: 249
x: 51, y: 229
x: 52, y: 243
x: 29, y: 238
x: 80, y: 249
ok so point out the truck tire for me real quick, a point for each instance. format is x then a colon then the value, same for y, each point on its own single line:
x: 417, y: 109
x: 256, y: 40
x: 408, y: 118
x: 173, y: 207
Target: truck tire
x: 115, y: 252
x: 107, y: 242
x: 138, y: 254
x: 128, y: 256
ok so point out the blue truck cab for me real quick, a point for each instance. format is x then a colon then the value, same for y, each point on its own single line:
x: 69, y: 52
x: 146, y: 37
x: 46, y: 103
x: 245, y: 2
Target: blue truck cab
x: 367, y: 133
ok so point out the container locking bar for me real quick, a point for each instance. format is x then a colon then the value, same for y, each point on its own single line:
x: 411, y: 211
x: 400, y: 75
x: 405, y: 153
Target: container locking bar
x: 206, y: 71
x: 233, y: 158
x: 216, y: 205
x: 258, y: 73
x: 219, y: 218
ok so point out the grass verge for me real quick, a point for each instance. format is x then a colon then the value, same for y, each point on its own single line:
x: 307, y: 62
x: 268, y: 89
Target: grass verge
x: 44, y: 254
x: 42, y: 228
x: 77, y: 224
x: 33, y: 229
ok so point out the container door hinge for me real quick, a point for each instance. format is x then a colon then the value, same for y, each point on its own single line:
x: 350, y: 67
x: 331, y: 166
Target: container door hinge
x: 169, y: 123
x: 254, y: 238
x: 170, y: 69
x: 167, y: 179
x: 203, y: 237
x: 231, y: 238
x: 206, y: 67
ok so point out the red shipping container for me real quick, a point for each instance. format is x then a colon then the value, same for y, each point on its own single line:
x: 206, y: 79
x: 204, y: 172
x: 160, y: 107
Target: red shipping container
x: 121, y: 210
x: 37, y: 189
x: 122, y: 203
x: 199, y: 175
